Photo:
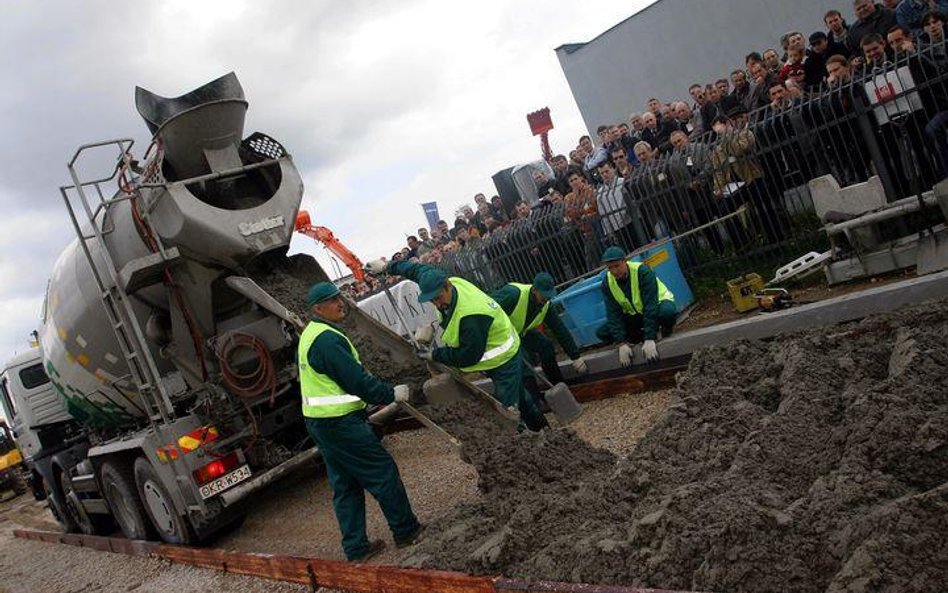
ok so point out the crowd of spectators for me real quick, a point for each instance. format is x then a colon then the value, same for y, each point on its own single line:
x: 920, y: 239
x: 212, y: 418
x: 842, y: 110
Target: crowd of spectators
x: 704, y: 148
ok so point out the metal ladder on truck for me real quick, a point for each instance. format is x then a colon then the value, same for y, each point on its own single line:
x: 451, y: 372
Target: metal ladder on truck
x: 91, y: 230
x: 114, y: 285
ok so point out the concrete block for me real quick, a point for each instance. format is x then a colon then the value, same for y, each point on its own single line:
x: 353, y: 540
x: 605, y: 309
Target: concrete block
x: 941, y: 194
x: 855, y: 199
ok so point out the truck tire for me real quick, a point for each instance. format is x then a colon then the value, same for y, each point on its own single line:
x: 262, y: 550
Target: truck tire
x: 36, y: 486
x: 89, y: 524
x: 54, y: 503
x: 118, y: 487
x: 171, y: 527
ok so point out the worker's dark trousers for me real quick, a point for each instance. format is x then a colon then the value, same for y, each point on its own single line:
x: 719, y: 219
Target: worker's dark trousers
x: 633, y: 324
x: 356, y: 462
x: 510, y: 390
x: 535, y: 346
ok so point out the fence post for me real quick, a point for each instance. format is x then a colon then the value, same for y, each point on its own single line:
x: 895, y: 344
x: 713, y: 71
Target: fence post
x: 863, y: 114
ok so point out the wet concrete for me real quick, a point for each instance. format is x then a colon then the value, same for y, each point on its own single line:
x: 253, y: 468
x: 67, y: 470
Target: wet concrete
x: 815, y: 462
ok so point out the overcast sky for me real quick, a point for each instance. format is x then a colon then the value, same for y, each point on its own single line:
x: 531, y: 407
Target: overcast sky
x: 383, y: 105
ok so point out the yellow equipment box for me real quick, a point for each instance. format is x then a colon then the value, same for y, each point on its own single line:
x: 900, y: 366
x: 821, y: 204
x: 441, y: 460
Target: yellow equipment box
x: 743, y: 289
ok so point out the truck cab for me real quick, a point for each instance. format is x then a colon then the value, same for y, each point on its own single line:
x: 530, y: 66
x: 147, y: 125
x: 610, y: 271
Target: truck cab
x: 41, y: 432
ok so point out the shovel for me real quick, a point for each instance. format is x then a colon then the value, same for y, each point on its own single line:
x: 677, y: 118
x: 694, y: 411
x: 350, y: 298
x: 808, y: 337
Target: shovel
x: 561, y: 400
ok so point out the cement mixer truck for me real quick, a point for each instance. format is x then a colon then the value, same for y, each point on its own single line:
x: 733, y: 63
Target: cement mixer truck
x: 180, y: 370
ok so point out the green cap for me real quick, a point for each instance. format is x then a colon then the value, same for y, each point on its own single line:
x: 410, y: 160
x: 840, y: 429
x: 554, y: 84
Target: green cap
x: 430, y: 282
x: 545, y: 285
x: 612, y: 254
x: 321, y: 291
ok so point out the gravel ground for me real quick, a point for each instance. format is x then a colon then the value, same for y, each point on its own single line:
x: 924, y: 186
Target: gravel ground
x: 293, y: 517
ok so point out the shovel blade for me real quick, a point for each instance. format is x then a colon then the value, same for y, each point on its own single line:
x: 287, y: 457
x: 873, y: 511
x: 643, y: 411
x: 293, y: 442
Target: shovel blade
x: 442, y: 390
x: 563, y: 404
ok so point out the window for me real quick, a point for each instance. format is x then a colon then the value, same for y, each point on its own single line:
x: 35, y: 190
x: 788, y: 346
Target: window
x: 33, y: 376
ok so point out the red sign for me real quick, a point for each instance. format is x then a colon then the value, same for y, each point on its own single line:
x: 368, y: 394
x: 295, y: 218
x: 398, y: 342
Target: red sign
x: 540, y: 121
x: 885, y: 93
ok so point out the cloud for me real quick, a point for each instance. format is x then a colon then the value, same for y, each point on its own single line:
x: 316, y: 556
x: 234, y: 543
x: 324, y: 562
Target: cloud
x: 383, y: 105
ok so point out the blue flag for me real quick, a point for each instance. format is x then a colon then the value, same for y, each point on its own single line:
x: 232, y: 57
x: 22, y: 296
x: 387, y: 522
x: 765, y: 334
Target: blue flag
x: 431, y: 213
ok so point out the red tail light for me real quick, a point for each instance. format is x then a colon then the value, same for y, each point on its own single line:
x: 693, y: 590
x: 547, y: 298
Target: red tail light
x: 216, y: 468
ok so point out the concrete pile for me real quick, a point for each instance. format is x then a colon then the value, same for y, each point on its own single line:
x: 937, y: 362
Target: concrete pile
x: 816, y: 462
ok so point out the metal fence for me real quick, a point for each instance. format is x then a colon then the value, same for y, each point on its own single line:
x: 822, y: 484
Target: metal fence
x: 737, y: 200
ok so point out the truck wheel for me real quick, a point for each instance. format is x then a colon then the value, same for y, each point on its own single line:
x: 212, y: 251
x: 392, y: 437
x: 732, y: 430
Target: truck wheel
x: 56, y: 508
x: 36, y: 486
x: 118, y: 487
x: 172, y: 527
x: 86, y: 523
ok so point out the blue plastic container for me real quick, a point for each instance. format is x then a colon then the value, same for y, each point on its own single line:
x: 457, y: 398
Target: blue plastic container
x: 662, y: 258
x: 583, y: 310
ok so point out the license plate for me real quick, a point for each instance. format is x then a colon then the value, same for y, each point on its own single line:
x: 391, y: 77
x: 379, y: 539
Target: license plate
x: 224, y: 482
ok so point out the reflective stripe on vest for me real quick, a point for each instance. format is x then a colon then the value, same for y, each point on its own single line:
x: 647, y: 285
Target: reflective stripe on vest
x: 519, y: 315
x: 635, y: 306
x: 330, y: 400
x: 502, y: 339
x: 323, y: 397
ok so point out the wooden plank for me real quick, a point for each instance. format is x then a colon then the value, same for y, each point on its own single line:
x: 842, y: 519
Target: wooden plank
x: 291, y: 569
x: 132, y: 547
x: 205, y: 558
x: 392, y: 579
x: 96, y: 542
x: 357, y: 578
x: 607, y: 388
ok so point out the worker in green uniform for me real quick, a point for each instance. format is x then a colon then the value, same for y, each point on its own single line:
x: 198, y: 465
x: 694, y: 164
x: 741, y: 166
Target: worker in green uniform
x: 478, y: 335
x: 637, y: 304
x: 528, y: 307
x: 335, y: 388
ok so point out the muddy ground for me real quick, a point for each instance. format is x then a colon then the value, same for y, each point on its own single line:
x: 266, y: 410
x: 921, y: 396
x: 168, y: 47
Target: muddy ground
x: 815, y: 462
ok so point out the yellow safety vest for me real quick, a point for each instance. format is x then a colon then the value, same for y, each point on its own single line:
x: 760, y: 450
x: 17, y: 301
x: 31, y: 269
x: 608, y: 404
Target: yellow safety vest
x: 519, y: 315
x: 635, y: 306
x: 502, y: 339
x: 323, y: 397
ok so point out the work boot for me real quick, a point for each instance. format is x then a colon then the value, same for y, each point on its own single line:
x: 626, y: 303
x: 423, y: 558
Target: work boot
x: 411, y: 538
x: 375, y: 547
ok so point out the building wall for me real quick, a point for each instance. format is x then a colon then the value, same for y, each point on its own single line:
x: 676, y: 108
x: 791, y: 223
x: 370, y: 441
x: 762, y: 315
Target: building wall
x: 662, y: 50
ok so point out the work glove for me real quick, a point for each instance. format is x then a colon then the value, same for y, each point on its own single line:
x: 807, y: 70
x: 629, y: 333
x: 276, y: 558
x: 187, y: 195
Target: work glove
x: 579, y: 365
x: 625, y: 355
x: 402, y: 394
x: 424, y: 355
x: 424, y: 335
x: 376, y: 267
x: 650, y: 351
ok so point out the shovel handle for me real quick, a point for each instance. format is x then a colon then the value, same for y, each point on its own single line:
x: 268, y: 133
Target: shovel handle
x: 429, y: 423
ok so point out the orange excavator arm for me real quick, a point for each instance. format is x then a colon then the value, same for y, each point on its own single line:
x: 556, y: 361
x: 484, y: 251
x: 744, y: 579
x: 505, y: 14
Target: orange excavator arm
x: 325, y: 236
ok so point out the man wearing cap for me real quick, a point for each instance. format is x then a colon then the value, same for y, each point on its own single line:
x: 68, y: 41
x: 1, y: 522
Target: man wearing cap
x: 821, y: 49
x: 528, y: 306
x: 637, y: 303
x: 335, y: 388
x: 477, y: 334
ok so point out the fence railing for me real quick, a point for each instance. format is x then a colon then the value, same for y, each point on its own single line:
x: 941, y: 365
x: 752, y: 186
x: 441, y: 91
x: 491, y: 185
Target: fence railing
x: 737, y: 200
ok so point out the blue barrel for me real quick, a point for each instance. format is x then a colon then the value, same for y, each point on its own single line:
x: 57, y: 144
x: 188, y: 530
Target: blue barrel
x: 583, y: 310
x: 662, y: 258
